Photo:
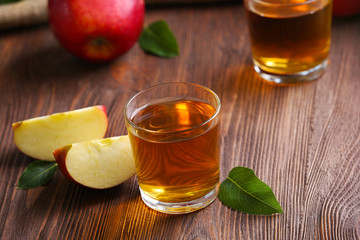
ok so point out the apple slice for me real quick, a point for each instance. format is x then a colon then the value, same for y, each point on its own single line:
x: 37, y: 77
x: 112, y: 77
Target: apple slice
x: 39, y: 137
x: 100, y: 164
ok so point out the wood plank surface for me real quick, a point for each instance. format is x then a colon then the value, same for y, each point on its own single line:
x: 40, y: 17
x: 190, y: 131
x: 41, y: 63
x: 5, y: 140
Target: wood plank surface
x: 303, y: 141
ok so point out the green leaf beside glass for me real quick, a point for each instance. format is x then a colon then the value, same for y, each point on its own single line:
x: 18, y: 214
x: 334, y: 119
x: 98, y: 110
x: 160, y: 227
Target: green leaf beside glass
x: 158, y: 39
x: 243, y: 191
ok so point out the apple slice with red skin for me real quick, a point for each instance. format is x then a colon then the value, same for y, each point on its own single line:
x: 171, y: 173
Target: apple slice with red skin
x: 99, y: 164
x: 38, y: 137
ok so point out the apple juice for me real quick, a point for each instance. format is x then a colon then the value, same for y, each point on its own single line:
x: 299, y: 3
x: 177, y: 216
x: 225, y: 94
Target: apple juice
x: 291, y: 40
x: 177, y: 159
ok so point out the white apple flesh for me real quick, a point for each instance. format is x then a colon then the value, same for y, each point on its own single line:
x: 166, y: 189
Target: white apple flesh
x: 99, y: 164
x: 39, y: 137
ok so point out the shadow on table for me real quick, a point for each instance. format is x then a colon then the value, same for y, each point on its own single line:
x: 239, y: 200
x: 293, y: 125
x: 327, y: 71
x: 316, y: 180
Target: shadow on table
x: 66, y: 206
x: 48, y: 63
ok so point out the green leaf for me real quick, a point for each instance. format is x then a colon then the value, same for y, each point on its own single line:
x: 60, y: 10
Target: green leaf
x: 158, y: 39
x: 8, y: 1
x: 243, y: 191
x: 37, y: 174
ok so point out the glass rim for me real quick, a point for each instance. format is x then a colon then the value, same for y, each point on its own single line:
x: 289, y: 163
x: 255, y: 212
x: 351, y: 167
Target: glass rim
x: 214, y: 115
x: 264, y: 2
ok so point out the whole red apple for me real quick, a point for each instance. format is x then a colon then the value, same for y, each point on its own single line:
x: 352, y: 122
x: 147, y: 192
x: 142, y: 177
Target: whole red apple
x: 343, y: 8
x: 97, y: 30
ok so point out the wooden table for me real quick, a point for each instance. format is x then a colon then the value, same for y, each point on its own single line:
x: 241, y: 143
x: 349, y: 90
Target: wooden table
x: 303, y: 141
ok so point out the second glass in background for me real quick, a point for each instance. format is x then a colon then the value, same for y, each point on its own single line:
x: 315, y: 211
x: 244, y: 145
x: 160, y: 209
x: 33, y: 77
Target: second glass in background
x: 290, y: 39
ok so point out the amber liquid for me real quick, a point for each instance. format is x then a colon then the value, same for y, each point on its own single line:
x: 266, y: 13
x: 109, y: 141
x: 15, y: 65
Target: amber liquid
x: 291, y: 41
x: 180, y: 166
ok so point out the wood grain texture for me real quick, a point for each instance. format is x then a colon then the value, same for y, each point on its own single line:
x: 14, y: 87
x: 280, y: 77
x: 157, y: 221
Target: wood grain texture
x: 303, y: 141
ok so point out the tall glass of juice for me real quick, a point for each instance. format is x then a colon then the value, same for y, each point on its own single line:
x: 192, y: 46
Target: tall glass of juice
x: 290, y: 39
x: 174, y: 134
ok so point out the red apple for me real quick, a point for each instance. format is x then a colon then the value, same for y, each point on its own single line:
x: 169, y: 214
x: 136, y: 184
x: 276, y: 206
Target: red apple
x: 97, y: 30
x: 343, y: 8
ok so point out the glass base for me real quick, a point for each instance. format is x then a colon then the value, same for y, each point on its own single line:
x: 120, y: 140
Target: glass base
x: 301, y: 77
x: 181, y: 207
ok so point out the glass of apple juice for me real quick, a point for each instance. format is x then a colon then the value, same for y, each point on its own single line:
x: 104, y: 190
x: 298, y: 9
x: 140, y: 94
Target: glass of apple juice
x: 290, y: 39
x: 174, y: 134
